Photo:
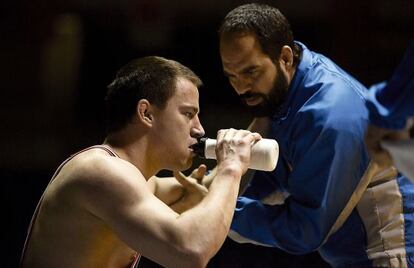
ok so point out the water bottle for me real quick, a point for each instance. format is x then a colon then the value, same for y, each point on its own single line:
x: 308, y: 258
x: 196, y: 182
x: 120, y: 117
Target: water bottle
x: 264, y: 153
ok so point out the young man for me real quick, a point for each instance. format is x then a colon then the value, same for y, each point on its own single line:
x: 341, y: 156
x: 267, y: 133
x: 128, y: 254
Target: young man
x: 324, y: 194
x: 99, y: 210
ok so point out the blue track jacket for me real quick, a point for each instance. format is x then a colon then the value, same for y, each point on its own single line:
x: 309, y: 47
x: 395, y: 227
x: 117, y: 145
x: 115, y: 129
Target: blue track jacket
x: 324, y: 194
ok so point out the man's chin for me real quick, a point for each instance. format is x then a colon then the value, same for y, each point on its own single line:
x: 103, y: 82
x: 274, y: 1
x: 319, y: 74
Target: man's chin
x: 260, y: 111
x: 189, y: 164
x: 186, y: 164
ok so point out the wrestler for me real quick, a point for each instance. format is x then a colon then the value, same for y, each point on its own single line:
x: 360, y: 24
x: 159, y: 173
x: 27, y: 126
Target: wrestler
x: 99, y: 210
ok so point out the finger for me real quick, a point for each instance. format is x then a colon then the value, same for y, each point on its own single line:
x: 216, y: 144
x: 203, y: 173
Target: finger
x: 230, y: 133
x: 241, y: 134
x: 253, y: 137
x: 199, y: 173
x: 220, y: 134
x: 181, y: 178
x: 398, y: 135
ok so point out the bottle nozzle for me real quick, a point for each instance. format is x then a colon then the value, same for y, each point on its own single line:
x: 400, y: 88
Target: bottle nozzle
x: 199, y: 147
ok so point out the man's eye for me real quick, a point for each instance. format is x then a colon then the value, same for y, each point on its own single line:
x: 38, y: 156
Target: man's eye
x: 189, y: 115
x: 252, y: 73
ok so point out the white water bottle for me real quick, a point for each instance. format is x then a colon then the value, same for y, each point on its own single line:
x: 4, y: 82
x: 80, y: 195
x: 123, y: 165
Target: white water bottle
x: 264, y: 153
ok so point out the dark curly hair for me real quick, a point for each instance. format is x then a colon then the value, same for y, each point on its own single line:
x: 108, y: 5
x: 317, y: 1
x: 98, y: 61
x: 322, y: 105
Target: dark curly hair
x: 271, y: 28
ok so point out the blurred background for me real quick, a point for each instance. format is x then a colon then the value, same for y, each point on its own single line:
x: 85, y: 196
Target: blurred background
x: 56, y: 58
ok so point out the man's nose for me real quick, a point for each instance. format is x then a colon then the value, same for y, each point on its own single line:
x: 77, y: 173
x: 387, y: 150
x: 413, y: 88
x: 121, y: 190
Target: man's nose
x: 197, y: 130
x: 242, y: 85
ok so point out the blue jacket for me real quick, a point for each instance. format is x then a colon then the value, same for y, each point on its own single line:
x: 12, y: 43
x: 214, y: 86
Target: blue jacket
x: 324, y: 195
x: 390, y: 104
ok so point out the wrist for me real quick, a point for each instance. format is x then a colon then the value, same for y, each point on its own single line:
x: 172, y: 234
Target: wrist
x: 232, y: 170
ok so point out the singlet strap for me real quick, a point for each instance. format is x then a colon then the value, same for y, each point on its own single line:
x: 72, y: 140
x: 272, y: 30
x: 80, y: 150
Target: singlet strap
x: 136, y: 260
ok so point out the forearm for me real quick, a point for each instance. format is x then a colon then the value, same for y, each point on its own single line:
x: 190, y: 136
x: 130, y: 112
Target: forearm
x: 390, y: 108
x: 245, y: 180
x: 167, y: 189
x: 210, y: 220
x: 390, y: 105
x: 293, y: 233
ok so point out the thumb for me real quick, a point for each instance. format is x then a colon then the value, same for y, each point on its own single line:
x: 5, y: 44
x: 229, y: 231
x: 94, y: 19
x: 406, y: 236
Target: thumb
x: 199, y: 173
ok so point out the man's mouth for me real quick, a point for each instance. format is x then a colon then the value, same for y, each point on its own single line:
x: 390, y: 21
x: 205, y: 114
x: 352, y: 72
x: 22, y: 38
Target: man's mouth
x: 193, y: 146
x: 252, y: 100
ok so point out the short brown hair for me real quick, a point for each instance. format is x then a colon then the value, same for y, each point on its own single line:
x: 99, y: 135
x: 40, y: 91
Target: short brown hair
x: 152, y: 78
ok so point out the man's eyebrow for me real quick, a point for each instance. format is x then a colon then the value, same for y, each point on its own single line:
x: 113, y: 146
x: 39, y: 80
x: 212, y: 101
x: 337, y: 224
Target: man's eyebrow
x: 192, y: 108
x: 243, y: 71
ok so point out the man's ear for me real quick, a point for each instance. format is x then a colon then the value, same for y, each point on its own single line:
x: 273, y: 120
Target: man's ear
x: 144, y: 112
x: 286, y: 57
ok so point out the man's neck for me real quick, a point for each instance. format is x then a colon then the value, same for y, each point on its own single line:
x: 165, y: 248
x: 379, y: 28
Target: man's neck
x: 136, y: 152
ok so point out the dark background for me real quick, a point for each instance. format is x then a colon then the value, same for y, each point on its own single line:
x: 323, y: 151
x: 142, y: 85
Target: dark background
x: 56, y: 57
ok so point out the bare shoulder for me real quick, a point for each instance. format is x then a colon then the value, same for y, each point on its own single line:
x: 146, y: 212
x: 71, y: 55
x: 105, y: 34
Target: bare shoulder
x: 97, y: 165
x: 100, y: 181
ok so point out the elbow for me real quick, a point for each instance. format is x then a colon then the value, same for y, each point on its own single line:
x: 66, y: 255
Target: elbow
x: 201, y: 258
x: 189, y: 259
x: 191, y: 253
x: 195, y: 256
x: 184, y: 258
x: 192, y: 247
x: 198, y: 261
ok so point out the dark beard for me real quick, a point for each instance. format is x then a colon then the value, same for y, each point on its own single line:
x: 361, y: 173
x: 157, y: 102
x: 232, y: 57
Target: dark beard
x: 271, y: 103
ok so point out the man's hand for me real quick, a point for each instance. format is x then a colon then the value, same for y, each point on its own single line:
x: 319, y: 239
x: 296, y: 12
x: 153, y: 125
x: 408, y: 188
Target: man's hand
x: 373, y: 139
x: 233, y: 150
x: 193, y: 189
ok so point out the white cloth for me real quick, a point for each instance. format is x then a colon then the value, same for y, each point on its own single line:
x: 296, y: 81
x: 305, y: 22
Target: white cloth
x: 402, y: 153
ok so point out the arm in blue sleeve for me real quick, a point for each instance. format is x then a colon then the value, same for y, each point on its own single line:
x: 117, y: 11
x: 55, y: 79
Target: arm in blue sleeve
x: 328, y: 159
x: 390, y: 104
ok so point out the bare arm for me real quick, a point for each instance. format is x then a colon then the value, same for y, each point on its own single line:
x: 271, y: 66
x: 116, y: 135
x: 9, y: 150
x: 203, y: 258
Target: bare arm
x: 121, y: 197
x: 167, y: 189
